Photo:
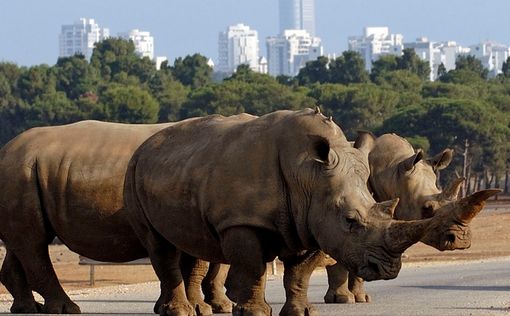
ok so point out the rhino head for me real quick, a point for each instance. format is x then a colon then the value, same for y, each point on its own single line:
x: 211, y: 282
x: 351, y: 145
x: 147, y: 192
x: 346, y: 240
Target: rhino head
x: 325, y: 179
x: 396, y: 170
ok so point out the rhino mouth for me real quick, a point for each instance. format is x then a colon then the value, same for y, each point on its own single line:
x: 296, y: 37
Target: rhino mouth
x: 380, y: 266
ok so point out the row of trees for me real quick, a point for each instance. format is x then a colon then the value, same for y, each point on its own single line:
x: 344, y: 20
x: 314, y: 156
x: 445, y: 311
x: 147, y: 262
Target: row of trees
x: 462, y: 107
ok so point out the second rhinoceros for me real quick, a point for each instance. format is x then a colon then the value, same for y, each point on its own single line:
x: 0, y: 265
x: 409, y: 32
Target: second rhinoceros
x: 396, y: 170
x: 243, y: 190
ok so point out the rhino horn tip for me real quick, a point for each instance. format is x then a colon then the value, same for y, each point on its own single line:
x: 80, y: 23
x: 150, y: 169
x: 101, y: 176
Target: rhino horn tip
x: 317, y: 110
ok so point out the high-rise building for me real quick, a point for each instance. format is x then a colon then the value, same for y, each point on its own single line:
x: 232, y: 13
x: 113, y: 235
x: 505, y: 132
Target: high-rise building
x: 236, y: 46
x: 297, y: 15
x: 144, y: 42
x: 80, y: 37
x: 289, y: 52
x: 492, y: 55
x: 376, y: 42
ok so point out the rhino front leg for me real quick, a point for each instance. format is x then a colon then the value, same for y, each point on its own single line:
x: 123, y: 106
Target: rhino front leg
x: 193, y: 272
x: 356, y: 286
x: 338, y: 290
x: 296, y: 277
x: 213, y: 288
x: 246, y: 278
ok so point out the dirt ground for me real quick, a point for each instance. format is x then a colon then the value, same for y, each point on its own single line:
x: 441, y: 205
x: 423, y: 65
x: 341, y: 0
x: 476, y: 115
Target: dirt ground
x: 491, y: 238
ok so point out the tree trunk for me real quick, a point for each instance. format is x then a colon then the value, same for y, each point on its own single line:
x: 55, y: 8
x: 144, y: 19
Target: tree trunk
x: 506, y: 181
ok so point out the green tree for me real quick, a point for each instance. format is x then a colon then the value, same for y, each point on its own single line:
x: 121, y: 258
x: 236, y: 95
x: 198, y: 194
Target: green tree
x: 506, y: 68
x: 348, y: 68
x: 411, y: 62
x: 192, y: 71
x: 170, y: 94
x: 441, y: 71
x: 34, y: 82
x: 75, y: 76
x: 129, y: 104
x: 383, y: 65
x: 314, y: 71
x: 361, y: 106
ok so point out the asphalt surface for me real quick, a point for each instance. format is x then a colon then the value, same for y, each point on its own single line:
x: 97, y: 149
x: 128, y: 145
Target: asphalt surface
x: 469, y: 288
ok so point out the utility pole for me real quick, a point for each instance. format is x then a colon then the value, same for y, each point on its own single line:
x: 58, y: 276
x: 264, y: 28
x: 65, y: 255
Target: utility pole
x: 465, y: 167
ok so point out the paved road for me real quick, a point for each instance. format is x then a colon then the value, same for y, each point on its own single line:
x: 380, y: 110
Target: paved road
x: 475, y: 288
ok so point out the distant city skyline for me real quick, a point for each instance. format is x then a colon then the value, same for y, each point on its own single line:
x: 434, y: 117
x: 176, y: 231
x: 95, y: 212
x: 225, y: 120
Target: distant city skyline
x: 183, y: 27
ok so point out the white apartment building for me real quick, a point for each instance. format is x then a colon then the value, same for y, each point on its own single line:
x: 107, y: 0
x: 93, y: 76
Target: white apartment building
x: 80, y: 37
x: 144, y: 42
x: 376, y: 42
x: 289, y: 52
x: 236, y: 46
x: 297, y: 15
x: 492, y: 55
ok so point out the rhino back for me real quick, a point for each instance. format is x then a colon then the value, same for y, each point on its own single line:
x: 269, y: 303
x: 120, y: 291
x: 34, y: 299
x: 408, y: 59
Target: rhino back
x: 73, y: 175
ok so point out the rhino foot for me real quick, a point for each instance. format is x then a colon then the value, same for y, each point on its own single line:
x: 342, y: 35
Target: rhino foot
x: 31, y: 307
x: 220, y: 305
x: 362, y: 298
x: 298, y: 310
x: 203, y: 309
x: 251, y: 310
x: 339, y: 297
x: 60, y: 307
x: 177, y: 309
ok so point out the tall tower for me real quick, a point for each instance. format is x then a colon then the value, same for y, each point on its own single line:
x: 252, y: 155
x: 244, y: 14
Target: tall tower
x: 80, y: 37
x: 297, y: 15
x: 144, y: 42
x: 238, y: 45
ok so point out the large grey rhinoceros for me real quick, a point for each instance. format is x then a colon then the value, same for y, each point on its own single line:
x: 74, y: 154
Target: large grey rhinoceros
x: 67, y: 181
x: 243, y: 190
x: 396, y: 170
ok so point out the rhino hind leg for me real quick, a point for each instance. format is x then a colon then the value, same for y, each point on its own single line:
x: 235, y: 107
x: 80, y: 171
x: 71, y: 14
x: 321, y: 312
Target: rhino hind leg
x: 246, y: 278
x: 213, y: 288
x: 193, y: 272
x: 296, y: 277
x: 42, y: 278
x: 14, y: 279
x: 338, y: 290
x: 356, y: 286
x: 165, y: 259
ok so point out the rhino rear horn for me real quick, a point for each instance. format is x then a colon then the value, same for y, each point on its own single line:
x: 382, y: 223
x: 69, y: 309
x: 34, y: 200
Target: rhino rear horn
x: 452, y: 191
x: 388, y: 207
x: 471, y: 205
x: 365, y: 142
x: 441, y: 160
x: 408, y: 164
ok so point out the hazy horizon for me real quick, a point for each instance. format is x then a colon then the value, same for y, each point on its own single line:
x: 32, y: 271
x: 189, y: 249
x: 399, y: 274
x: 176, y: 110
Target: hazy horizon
x: 29, y: 29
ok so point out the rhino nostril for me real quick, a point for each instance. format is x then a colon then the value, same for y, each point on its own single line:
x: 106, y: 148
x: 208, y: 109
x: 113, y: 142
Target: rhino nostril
x: 450, y: 237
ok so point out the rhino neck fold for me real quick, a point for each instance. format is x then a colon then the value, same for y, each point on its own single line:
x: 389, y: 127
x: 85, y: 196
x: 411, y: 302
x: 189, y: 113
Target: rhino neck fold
x: 293, y: 222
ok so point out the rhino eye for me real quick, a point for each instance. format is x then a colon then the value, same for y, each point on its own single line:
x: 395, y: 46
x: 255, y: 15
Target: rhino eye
x: 353, y: 225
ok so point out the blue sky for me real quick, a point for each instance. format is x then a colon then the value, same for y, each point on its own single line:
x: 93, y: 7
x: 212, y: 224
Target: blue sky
x: 29, y: 28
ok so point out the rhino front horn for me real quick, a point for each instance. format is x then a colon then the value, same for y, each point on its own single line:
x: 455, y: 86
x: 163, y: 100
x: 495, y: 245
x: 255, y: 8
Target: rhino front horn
x: 403, y: 234
x: 471, y: 205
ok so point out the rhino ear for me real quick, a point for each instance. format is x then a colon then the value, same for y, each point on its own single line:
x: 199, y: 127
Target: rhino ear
x: 365, y: 142
x: 322, y: 150
x: 408, y: 164
x: 441, y: 160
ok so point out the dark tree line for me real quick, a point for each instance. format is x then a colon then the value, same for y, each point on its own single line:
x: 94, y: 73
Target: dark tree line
x: 461, y: 108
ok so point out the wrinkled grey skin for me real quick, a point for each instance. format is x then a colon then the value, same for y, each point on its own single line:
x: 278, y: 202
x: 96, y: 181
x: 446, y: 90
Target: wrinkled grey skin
x: 396, y: 170
x: 67, y: 181
x: 242, y: 190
